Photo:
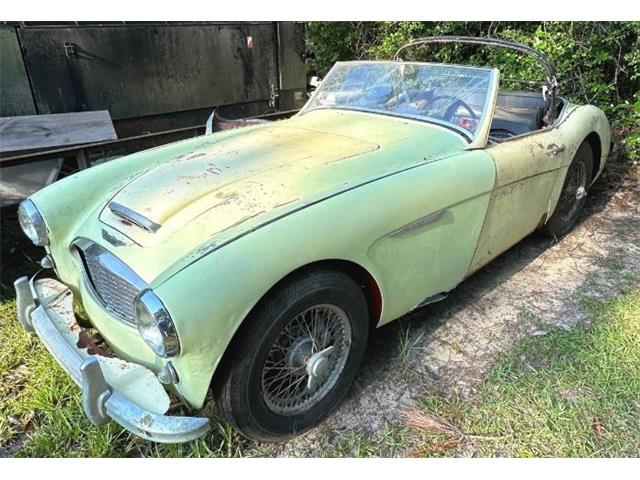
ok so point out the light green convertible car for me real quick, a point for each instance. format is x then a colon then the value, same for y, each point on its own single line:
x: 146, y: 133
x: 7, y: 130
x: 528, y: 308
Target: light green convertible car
x: 254, y: 262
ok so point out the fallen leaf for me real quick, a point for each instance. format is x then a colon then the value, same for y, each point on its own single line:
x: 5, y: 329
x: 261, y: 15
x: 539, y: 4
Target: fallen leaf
x: 430, y: 424
x: 597, y: 426
x: 436, y: 448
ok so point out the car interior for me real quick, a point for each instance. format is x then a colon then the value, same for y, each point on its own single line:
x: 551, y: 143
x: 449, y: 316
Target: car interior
x: 517, y: 113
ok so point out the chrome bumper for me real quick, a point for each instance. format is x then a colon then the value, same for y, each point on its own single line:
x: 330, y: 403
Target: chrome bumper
x: 101, y: 400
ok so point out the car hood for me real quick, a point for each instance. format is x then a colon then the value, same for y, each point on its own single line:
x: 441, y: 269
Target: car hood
x: 181, y: 206
x: 230, y: 180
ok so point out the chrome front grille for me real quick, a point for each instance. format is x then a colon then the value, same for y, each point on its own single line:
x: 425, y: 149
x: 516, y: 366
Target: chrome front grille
x: 115, y: 284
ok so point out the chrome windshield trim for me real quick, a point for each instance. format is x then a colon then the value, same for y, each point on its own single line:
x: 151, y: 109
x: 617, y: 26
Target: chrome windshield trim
x: 134, y: 217
x: 481, y: 136
x: 435, y: 64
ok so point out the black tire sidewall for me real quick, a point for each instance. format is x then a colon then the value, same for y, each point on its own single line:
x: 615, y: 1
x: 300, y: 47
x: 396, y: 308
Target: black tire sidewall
x: 251, y: 415
x: 555, y: 227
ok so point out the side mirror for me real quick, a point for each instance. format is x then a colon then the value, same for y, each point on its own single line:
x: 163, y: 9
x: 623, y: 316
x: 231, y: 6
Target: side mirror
x: 314, y: 82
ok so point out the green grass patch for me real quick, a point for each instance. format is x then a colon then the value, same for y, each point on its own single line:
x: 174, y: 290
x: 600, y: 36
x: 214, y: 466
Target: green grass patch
x: 567, y: 394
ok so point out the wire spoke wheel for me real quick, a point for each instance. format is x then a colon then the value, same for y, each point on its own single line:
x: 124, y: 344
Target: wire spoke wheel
x: 574, y: 191
x: 306, y: 359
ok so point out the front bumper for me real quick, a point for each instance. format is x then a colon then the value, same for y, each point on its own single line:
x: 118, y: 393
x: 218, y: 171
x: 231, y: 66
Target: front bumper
x: 112, y: 389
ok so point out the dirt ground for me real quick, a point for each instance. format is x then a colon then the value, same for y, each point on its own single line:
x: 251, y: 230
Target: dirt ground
x: 449, y: 347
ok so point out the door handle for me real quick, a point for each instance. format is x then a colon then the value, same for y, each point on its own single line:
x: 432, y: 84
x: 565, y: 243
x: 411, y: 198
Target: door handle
x: 554, y: 149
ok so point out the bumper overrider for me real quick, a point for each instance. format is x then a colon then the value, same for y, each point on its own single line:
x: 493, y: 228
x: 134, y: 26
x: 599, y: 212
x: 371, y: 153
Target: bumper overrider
x: 112, y: 389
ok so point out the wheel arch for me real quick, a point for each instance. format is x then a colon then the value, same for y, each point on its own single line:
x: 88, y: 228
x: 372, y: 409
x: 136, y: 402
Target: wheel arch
x: 588, y: 124
x: 594, y: 141
x: 370, y: 286
x: 368, y: 283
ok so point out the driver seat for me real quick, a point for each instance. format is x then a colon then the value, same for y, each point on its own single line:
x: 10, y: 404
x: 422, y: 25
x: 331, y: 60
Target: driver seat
x: 517, y: 120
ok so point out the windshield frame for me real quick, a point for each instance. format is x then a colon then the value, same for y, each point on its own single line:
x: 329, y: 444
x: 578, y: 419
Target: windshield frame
x: 470, y: 137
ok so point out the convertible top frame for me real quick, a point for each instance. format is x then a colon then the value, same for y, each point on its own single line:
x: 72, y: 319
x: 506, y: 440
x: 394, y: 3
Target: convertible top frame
x: 550, y: 87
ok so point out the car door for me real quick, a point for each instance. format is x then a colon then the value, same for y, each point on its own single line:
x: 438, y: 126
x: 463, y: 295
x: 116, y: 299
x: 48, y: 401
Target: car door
x: 527, y: 167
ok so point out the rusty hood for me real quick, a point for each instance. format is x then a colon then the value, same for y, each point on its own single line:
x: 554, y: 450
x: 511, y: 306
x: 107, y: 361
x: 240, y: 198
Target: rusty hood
x: 237, y: 178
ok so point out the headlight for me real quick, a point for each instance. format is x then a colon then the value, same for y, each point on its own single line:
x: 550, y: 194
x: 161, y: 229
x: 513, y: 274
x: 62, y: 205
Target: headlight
x: 155, y: 325
x: 32, y: 223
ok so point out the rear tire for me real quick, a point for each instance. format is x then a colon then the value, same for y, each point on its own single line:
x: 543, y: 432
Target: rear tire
x: 573, y: 195
x: 264, y: 390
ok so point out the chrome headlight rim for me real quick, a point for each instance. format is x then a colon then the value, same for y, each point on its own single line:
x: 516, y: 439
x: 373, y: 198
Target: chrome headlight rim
x: 155, y: 325
x: 36, y: 230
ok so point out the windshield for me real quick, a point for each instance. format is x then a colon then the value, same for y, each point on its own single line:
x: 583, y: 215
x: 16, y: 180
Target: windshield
x: 454, y: 96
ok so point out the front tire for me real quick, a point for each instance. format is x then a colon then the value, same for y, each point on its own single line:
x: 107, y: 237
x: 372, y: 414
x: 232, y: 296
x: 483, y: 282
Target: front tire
x: 573, y: 195
x: 296, y: 356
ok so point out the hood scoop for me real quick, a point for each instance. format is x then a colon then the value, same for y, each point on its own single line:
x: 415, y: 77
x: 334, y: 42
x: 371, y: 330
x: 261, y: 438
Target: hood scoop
x: 131, y: 216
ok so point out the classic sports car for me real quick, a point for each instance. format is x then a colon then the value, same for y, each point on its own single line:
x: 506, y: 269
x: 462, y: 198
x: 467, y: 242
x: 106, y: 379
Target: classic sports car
x: 254, y: 262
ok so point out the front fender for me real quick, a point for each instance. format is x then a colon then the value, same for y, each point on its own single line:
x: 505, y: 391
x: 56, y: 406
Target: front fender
x: 210, y: 298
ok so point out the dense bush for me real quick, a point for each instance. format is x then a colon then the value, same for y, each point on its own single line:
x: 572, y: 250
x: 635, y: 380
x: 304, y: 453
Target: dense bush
x: 596, y: 62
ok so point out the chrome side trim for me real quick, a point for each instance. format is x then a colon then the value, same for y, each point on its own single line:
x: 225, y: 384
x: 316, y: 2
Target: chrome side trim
x: 134, y: 217
x: 419, y: 223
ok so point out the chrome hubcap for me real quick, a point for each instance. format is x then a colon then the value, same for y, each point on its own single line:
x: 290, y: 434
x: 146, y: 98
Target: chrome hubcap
x: 306, y: 359
x: 318, y: 366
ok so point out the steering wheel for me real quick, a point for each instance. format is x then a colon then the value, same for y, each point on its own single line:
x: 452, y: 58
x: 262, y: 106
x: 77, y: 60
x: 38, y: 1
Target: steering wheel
x: 457, y: 103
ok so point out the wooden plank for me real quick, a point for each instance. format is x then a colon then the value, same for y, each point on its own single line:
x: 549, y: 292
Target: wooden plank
x: 35, y: 132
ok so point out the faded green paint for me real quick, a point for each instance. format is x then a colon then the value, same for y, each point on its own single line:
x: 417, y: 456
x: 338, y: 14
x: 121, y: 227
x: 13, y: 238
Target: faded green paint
x: 241, y: 209
x: 529, y: 179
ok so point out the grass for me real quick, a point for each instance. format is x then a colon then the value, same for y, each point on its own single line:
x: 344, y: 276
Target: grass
x: 406, y: 342
x: 565, y: 394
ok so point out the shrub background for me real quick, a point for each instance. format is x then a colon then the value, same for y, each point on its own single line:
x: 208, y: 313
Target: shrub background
x: 596, y: 62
